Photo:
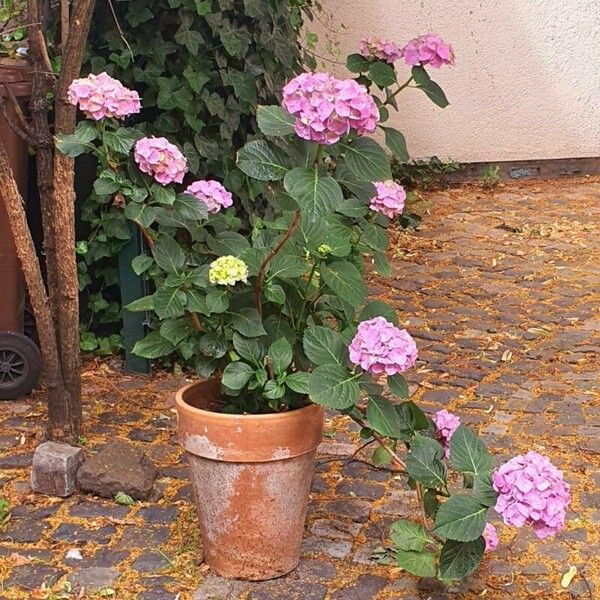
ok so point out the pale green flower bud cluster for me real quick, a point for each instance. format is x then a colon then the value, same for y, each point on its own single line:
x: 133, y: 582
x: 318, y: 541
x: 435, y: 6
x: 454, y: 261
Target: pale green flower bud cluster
x: 228, y: 270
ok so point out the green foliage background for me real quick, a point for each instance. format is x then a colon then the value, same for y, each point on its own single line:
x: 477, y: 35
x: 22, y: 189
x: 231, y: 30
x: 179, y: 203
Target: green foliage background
x: 201, y: 68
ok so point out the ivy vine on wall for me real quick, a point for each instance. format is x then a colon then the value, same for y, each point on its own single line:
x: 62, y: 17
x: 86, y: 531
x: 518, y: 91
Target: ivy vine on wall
x: 201, y: 68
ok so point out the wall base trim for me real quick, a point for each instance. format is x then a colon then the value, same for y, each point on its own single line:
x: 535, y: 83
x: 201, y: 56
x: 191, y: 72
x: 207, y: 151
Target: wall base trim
x: 527, y: 169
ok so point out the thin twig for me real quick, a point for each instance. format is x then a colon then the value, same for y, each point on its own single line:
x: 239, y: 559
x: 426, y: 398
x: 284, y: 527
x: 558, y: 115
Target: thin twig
x: 17, y: 107
x: 400, y: 462
x: 354, y: 458
x: 24, y: 134
x: 382, y: 443
x: 330, y: 60
x: 317, y: 18
x: 23, y: 26
x: 117, y: 24
x: 265, y: 263
x: 360, y: 448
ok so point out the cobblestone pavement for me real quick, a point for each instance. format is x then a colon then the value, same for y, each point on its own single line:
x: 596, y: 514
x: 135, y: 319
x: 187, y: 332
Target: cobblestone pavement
x: 501, y: 291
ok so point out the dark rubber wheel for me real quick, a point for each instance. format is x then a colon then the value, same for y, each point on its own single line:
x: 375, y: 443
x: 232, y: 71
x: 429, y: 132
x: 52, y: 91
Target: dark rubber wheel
x: 20, y: 365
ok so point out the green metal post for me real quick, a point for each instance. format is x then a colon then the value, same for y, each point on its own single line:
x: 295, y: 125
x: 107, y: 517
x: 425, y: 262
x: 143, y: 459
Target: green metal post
x: 132, y: 288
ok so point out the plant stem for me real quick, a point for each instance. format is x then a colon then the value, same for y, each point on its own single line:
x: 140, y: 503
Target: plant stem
x: 269, y: 366
x: 147, y: 238
x: 395, y: 458
x: 265, y: 263
x: 318, y: 154
x: 419, y: 491
x: 400, y: 88
x: 379, y: 439
x: 195, y: 321
x: 308, y: 282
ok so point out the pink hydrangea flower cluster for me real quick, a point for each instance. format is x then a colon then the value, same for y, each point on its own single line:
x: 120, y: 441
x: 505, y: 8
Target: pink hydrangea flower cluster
x: 156, y: 156
x: 327, y: 108
x: 446, y: 424
x: 390, y: 198
x: 100, y: 96
x: 428, y: 49
x: 212, y: 194
x: 381, y: 347
x: 532, y: 492
x: 379, y: 48
x: 490, y: 535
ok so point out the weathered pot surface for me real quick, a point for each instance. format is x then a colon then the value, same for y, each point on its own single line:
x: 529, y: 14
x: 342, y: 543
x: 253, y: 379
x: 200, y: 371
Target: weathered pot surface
x: 251, y: 476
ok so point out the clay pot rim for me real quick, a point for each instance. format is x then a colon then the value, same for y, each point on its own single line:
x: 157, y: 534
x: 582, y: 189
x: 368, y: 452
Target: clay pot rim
x: 183, y: 405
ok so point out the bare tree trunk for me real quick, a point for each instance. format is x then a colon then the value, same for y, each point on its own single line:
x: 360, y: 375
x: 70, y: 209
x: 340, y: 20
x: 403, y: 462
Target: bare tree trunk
x: 63, y: 212
x: 56, y: 311
x: 58, y: 408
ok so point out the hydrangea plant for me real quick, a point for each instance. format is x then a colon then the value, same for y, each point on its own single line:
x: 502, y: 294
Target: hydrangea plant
x: 279, y: 311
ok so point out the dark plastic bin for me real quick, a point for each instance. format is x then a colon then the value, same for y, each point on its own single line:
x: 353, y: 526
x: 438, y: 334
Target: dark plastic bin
x: 20, y: 360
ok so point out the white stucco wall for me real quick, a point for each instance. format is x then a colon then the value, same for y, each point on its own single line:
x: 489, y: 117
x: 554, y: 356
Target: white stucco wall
x: 526, y: 84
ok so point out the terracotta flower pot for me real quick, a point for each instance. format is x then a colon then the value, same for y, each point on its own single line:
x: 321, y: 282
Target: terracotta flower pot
x: 251, y: 476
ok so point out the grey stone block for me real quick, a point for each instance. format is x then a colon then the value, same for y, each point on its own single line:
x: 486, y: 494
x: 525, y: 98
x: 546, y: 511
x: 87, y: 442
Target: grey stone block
x: 54, y: 469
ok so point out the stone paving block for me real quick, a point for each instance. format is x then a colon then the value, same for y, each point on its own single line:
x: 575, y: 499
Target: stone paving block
x: 32, y: 576
x: 319, y: 484
x: 77, y: 534
x: 334, y: 529
x: 360, y: 489
x: 44, y: 555
x: 93, y: 578
x: 54, y: 469
x: 142, y: 435
x: 8, y: 441
x: 151, y: 562
x: 152, y: 581
x: 354, y: 509
x: 29, y: 511
x: 16, y: 461
x: 364, y: 554
x: 92, y: 509
x: 107, y: 557
x: 142, y: 537
x: 159, y: 515
x: 366, y: 587
x: 333, y: 548
x: 315, y: 570
x: 217, y: 588
x: 159, y: 593
x: 290, y: 590
x: 184, y: 493
x: 175, y: 472
x: 24, y: 531
x: 117, y: 418
x: 400, y: 503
